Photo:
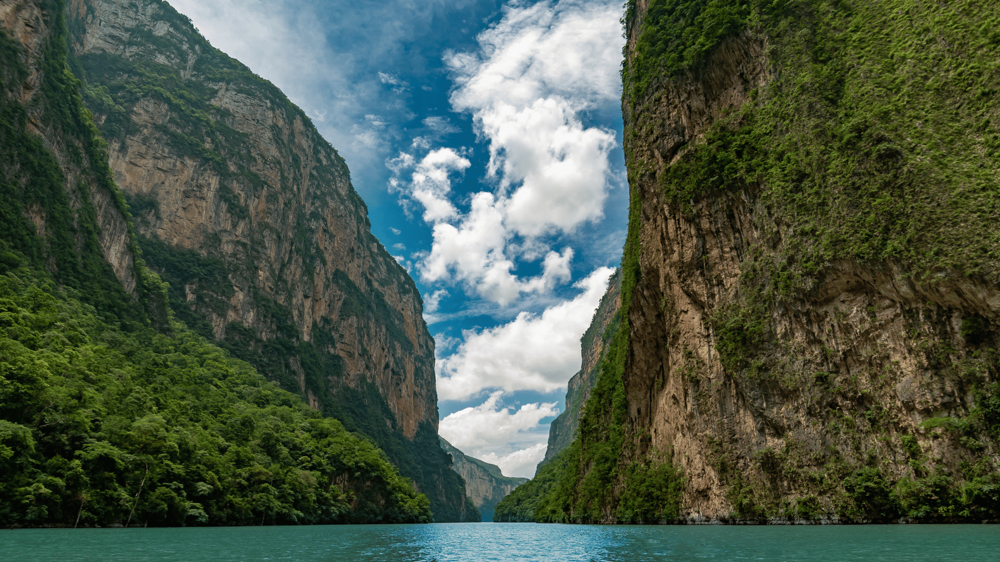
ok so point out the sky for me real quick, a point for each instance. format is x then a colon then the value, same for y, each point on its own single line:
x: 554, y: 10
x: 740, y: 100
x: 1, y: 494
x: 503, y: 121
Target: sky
x: 485, y: 137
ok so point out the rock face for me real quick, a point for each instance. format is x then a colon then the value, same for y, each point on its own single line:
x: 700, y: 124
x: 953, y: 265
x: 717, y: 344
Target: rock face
x: 56, y: 173
x: 251, y: 217
x: 484, y: 483
x: 779, y: 387
x: 810, y: 287
x: 594, y: 346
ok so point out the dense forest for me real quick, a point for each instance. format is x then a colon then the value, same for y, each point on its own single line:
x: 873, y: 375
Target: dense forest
x: 111, y: 411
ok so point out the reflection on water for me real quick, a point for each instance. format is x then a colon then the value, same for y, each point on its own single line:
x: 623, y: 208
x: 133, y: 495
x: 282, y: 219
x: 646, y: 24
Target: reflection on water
x: 507, y: 542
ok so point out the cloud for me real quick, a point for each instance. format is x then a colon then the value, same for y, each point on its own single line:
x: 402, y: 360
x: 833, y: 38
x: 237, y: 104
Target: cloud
x: 432, y: 301
x: 533, y: 75
x: 521, y: 463
x: 536, y: 71
x: 386, y: 78
x: 430, y: 181
x: 499, y: 435
x: 570, y: 49
x: 473, y: 252
x: 440, y: 125
x: 395, y: 231
x: 560, y: 167
x: 533, y: 352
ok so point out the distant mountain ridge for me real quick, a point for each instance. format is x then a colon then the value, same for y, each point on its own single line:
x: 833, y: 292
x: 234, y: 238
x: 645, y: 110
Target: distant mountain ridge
x: 594, y: 347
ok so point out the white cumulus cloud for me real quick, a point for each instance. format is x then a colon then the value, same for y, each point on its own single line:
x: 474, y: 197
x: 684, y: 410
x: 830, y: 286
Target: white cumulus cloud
x: 533, y: 76
x: 536, y: 71
x: 570, y: 48
x: 521, y: 462
x: 533, y: 352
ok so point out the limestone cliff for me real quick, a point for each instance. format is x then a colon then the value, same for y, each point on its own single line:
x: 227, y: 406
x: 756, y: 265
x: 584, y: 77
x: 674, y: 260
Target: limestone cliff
x: 787, y: 379
x: 484, y: 483
x: 61, y: 207
x: 111, y: 413
x: 594, y: 346
x: 251, y: 217
x: 811, y: 286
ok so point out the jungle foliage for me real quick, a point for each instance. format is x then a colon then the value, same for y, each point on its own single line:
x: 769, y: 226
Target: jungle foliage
x: 102, y: 426
x: 875, y: 136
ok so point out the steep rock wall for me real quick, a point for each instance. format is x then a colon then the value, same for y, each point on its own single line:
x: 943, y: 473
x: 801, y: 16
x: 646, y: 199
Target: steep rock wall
x: 809, y: 292
x: 250, y: 215
x: 778, y: 384
x: 56, y: 173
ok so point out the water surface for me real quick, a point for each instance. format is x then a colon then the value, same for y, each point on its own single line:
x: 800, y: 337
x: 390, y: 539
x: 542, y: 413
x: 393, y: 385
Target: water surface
x: 508, y: 542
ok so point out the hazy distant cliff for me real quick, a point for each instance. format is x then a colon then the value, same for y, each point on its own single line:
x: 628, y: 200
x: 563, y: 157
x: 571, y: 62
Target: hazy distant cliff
x: 250, y: 215
x: 810, y: 283
x: 484, y: 483
x: 594, y: 346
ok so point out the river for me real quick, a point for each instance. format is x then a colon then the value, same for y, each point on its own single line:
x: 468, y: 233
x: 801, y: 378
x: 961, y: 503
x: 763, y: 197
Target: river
x: 508, y: 542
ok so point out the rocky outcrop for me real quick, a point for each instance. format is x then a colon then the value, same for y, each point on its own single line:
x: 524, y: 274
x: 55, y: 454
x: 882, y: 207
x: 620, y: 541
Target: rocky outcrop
x: 251, y: 217
x: 594, y: 346
x: 777, y: 386
x: 484, y: 483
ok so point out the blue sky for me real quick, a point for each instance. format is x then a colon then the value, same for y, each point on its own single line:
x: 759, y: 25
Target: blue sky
x: 485, y: 137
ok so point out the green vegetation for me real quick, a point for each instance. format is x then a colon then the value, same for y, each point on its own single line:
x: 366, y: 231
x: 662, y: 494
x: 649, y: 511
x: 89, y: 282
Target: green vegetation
x: 652, y: 493
x: 283, y: 358
x: 101, y: 426
x: 876, y: 138
x: 521, y: 505
x: 677, y: 35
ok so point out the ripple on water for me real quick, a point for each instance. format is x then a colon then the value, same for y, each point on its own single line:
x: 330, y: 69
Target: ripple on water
x: 507, y: 542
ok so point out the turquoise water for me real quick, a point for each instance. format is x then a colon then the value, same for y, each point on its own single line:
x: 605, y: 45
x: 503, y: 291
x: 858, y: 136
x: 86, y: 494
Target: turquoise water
x: 508, y: 542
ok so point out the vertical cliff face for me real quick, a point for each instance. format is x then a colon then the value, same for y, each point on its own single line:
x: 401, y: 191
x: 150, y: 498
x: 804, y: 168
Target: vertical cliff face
x: 250, y: 215
x: 800, y: 344
x: 485, y: 484
x: 110, y: 413
x: 594, y: 347
x: 810, y: 286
